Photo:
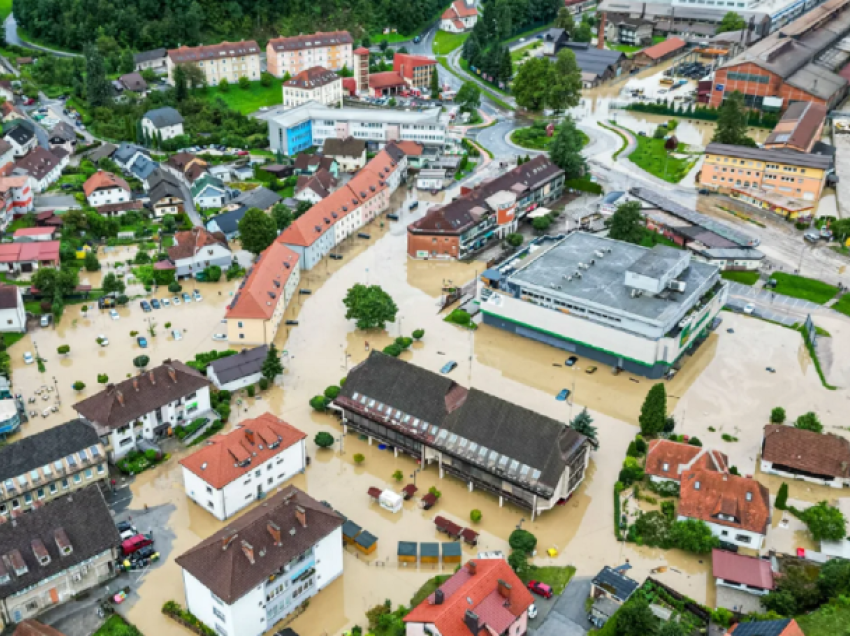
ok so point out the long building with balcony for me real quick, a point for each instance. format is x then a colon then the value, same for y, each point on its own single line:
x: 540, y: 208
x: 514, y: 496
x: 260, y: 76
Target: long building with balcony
x: 229, y: 61
x: 636, y: 309
x: 516, y: 454
x: 486, y: 213
x: 329, y: 49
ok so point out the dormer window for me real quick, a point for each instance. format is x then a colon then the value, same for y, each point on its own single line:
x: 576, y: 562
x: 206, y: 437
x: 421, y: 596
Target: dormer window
x: 749, y: 496
x: 665, y: 467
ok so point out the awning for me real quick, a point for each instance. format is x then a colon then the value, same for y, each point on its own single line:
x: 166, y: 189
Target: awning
x: 538, y: 213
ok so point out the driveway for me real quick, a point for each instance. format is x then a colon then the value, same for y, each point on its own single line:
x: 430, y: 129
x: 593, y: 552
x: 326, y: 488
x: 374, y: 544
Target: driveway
x: 566, y: 616
x: 55, y: 202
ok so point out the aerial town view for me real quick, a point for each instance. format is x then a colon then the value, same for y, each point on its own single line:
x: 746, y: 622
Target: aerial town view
x: 440, y: 317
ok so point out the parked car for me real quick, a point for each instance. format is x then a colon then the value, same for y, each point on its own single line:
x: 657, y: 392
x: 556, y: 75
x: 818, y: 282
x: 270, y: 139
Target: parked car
x: 532, y: 611
x: 186, y: 297
x: 175, y: 300
x: 563, y: 395
x: 147, y: 552
x: 155, y: 303
x: 219, y: 336
x: 541, y: 589
x: 176, y: 334
x: 135, y: 543
x: 45, y: 320
x: 145, y: 306
x: 113, y: 314
x: 102, y: 340
x: 143, y: 342
x: 196, y: 296
x: 166, y: 302
x: 749, y: 308
x: 126, y: 530
x: 812, y: 236
x: 28, y: 359
x: 590, y: 369
x: 571, y: 361
x: 449, y: 366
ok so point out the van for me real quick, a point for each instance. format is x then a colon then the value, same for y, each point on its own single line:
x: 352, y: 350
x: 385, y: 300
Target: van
x: 133, y: 544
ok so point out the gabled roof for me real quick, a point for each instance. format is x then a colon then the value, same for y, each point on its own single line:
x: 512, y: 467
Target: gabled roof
x: 738, y: 568
x: 261, y: 198
x: 10, y: 298
x: 240, y: 365
x: 213, y: 51
x: 226, y: 458
x: 262, y: 289
x: 207, y: 180
x: 679, y: 457
x: 126, y: 151
x: 789, y: 157
x: 228, y: 222
x: 39, y: 162
x: 101, y: 180
x: 460, y: 9
x: 798, y: 127
x: 348, y: 147
x: 101, y: 152
x: 35, y: 231
x: 486, y: 587
x: 386, y: 79
x: 311, y: 78
x: 781, y: 627
x: 190, y: 242
x: 119, y: 404
x: 229, y: 563
x: 615, y: 583
x: 706, y: 495
x: 30, y: 627
x: 26, y: 252
x: 321, y: 182
x: 797, y: 448
x: 162, y: 117
x: 666, y: 47
x: 133, y: 82
x: 148, y: 56
x: 162, y: 185
x: 35, y: 451
x: 20, y: 134
x: 311, y: 41
x: 61, y: 130
x: 407, y: 147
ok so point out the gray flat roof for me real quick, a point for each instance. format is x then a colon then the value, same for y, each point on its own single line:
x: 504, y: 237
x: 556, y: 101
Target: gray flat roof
x: 656, y: 262
x: 603, y: 284
x: 792, y: 157
x: 315, y: 110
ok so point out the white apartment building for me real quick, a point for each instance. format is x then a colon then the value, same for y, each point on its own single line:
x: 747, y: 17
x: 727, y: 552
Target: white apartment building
x: 244, y: 466
x: 249, y: 576
x: 331, y: 50
x: 13, y: 316
x: 106, y: 188
x: 227, y: 60
x: 316, y: 84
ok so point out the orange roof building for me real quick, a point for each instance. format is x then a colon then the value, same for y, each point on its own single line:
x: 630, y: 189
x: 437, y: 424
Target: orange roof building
x: 666, y: 460
x: 461, y: 16
x: 659, y: 52
x: 222, y: 476
x: 483, y: 597
x: 105, y: 188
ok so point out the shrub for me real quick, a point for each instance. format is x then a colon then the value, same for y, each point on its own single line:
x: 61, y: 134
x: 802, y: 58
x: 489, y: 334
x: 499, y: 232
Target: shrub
x: 640, y: 444
x: 722, y: 616
x: 359, y: 458
x: 668, y: 509
x: 398, y: 475
x: 782, y: 496
x: 695, y: 441
x: 631, y: 472
x: 264, y: 384
x: 63, y: 349
x: 418, y: 334
x: 393, y: 350
x: 79, y: 386
x: 122, y: 299
x: 168, y: 325
x: 151, y: 455
x: 522, y: 541
x: 729, y: 438
x: 433, y: 490
x: 319, y: 403
x: 175, y: 287
x: 777, y: 415
x: 251, y: 390
x: 331, y: 392
x: 324, y: 440
x: 632, y: 450
x: 102, y: 378
x: 475, y: 515
x: 404, y: 343
x: 809, y: 422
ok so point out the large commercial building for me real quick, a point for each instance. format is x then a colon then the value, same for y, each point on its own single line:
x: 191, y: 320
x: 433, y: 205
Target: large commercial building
x: 298, y: 129
x: 488, y: 443
x: 225, y: 61
x: 331, y: 50
x: 627, y: 306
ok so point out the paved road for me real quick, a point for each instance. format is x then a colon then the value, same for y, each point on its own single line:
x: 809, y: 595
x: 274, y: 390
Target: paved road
x: 55, y: 202
x: 12, y: 38
x: 566, y: 615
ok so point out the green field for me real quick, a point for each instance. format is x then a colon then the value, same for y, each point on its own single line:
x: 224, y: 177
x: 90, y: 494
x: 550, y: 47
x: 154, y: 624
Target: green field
x: 745, y: 278
x: 557, y: 577
x: 651, y: 156
x: 521, y: 52
x: 246, y: 101
x: 115, y: 625
x: 536, y: 139
x: 828, y: 620
x: 445, y: 42
x: 843, y: 305
x: 5, y: 8
x: 805, y: 288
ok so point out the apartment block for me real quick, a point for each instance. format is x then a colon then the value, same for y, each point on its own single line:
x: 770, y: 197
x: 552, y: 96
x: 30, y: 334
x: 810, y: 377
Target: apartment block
x: 331, y: 50
x: 227, y: 60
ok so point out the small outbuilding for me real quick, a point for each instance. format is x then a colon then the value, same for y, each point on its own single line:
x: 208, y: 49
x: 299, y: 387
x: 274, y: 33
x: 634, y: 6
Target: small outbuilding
x: 350, y: 530
x: 408, y: 551
x: 429, y: 552
x: 366, y: 542
x: 451, y: 552
x: 391, y: 501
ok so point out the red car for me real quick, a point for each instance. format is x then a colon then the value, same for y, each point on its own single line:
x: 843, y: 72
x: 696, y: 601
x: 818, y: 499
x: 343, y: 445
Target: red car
x: 242, y: 153
x: 541, y: 589
x: 134, y: 544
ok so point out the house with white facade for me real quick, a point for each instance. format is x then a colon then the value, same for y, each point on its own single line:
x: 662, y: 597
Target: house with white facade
x: 315, y: 84
x: 349, y: 153
x: 196, y: 249
x: 749, y: 574
x: 795, y: 453
x: 242, y: 369
x: 16, y: 198
x: 254, y: 573
x: 209, y: 192
x: 736, y: 509
x: 163, y: 123
x: 43, y: 166
x: 166, y: 194
x: 232, y: 471
x: 13, y: 316
x: 105, y: 188
x: 316, y: 187
x: 146, y: 406
x: 329, y: 49
x: 666, y: 460
x: 459, y: 17
x: 126, y: 154
x: 22, y: 139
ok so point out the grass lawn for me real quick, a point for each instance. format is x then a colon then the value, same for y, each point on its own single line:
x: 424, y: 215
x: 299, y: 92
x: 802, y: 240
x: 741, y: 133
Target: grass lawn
x: 806, y: 288
x: 465, y: 66
x: 651, y: 156
x: 651, y: 239
x: 536, y: 139
x: 828, y: 620
x: 628, y: 49
x: 523, y: 51
x: 745, y: 278
x: 11, y: 338
x: 490, y: 95
x: 554, y: 576
x: 246, y: 101
x: 445, y: 42
x: 426, y: 590
x: 115, y: 625
x: 525, y: 34
x: 5, y: 8
x: 390, y: 38
x: 843, y: 305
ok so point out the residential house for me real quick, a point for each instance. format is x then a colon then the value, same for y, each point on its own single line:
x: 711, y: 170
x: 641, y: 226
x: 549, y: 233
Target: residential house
x: 484, y: 596
x: 629, y: 31
x: 331, y: 50
x: 55, y: 462
x: 17, y: 197
x: 265, y: 564
x: 554, y: 40
x: 316, y: 84
x: 736, y: 509
x: 146, y: 406
x: 349, y: 153
x: 415, y: 69
x: 103, y: 151
x: 459, y: 17
x: 227, y: 223
x: 127, y: 153
x: 22, y: 139
x: 749, y: 574
x: 209, y: 192
x: 779, y: 627
x: 261, y: 198
x: 119, y: 209
x: 467, y: 433
x: 196, y: 249
x: 795, y: 453
x: 13, y: 316
x: 242, y: 173
x: 25, y: 258
x: 316, y: 187
x: 666, y: 460
x: 239, y: 370
x: 431, y: 179
x: 220, y: 172
x: 181, y: 165
x: 7, y: 91
x: 30, y: 627
x: 142, y: 168
x: 62, y: 135
x: 256, y: 311
x: 43, y: 166
x: 418, y: 156
x: 307, y: 164
x: 11, y: 112
x: 32, y: 234
x: 154, y: 59
x: 7, y: 156
x: 104, y: 188
x: 55, y: 553
x: 133, y: 82
x: 234, y: 470
x: 612, y: 584
x: 164, y: 123
x: 602, y: 610
x: 657, y: 53
x: 799, y: 129
x: 166, y: 194
x: 229, y: 61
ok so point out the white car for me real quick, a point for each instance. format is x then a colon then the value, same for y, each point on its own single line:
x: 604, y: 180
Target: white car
x: 175, y: 300
x: 219, y: 336
x: 28, y: 359
x: 114, y: 314
x: 749, y: 308
x: 165, y: 302
x: 177, y: 335
x: 197, y: 297
x: 102, y: 340
x: 532, y: 611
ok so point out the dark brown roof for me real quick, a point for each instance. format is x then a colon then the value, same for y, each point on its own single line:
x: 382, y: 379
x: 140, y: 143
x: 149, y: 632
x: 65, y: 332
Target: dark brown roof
x: 322, y: 183
x: 314, y: 40
x: 8, y: 296
x: 313, y: 77
x: 186, y: 243
x: 305, y: 161
x: 30, y: 627
x: 798, y: 126
x: 126, y: 401
x: 213, y: 51
x: 348, y: 147
x: 38, y: 162
x: 180, y: 160
x: 109, y: 208
x: 244, y: 554
x: 821, y: 454
x: 133, y: 82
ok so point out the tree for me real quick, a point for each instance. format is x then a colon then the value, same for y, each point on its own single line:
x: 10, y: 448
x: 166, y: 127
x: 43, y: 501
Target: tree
x: 140, y: 362
x: 272, y: 366
x: 332, y: 391
x: 98, y: 90
x: 324, y: 440
x: 636, y: 619
x: 212, y: 274
x: 565, y: 89
x: 626, y: 224
x: 782, y: 497
x: 565, y: 21
x: 435, y: 83
x: 91, y: 262
x: 371, y: 307
x: 175, y: 287
x: 468, y: 97
x: 809, y: 422
x: 359, y: 458
x: 128, y: 64
x: 244, y: 83
x: 181, y: 89
x: 78, y: 386
x: 519, y: 563
x: 398, y: 476
x: 475, y: 515
x: 777, y: 415
x: 824, y: 522
x: 112, y: 284
x: 532, y: 83
x: 63, y: 350
x: 732, y: 21
x: 522, y: 541
x: 319, y: 403
x: 541, y: 223
x: 74, y: 220
x: 583, y: 33
x: 653, y: 413
x: 257, y: 230
x: 514, y: 239
x: 630, y: 472
x: 418, y: 334
x: 732, y: 122
x: 302, y: 208
x: 102, y: 378
x: 694, y: 535
x: 224, y: 85
x: 583, y: 423
x: 565, y: 150
x: 834, y: 579
x: 282, y: 216
x: 55, y: 283
x: 671, y: 628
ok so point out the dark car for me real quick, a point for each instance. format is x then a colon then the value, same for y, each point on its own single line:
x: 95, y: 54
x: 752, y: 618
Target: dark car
x: 417, y: 39
x: 571, y: 361
x: 146, y: 552
x: 145, y: 306
x: 155, y: 303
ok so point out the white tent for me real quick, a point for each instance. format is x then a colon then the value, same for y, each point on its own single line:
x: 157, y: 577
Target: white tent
x: 391, y: 501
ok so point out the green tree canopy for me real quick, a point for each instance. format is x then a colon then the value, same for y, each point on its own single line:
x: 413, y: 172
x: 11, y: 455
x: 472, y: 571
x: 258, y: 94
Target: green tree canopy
x: 636, y: 619
x: 522, y: 541
x: 55, y: 283
x: 694, y: 535
x: 565, y: 21
x: 468, y: 97
x: 565, y: 89
x: 583, y: 33
x: 371, y: 307
x: 282, y: 216
x: 257, y: 230
x: 732, y: 122
x: 98, y: 90
x: 810, y: 422
x: 435, y: 83
x: 583, y: 423
x: 732, y: 21
x: 565, y: 150
x: 825, y: 522
x: 531, y: 87
x: 272, y: 366
x: 626, y: 224
x: 653, y: 413
x: 324, y: 440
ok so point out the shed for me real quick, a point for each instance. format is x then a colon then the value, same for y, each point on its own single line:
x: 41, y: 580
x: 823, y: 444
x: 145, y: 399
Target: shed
x: 350, y: 530
x: 429, y: 500
x: 430, y: 553
x: 451, y: 552
x: 407, y: 551
x: 469, y: 536
x: 391, y: 501
x: 366, y: 542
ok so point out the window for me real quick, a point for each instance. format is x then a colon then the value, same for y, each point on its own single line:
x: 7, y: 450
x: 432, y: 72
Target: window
x: 40, y: 493
x: 665, y: 467
x: 100, y: 469
x: 743, y: 538
x: 53, y: 488
x: 749, y: 496
x: 89, y: 473
x: 64, y: 484
x: 218, y: 613
x: 696, y: 486
x: 27, y: 498
x: 209, y: 489
x: 77, y: 478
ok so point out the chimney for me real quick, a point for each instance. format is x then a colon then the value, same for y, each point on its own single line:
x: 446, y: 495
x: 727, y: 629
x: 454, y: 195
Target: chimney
x: 249, y: 435
x: 152, y: 377
x: 301, y: 515
x: 274, y: 530
x: 120, y: 397
x: 472, y: 566
x: 226, y: 541
x: 470, y: 619
x: 438, y: 597
x: 600, y: 34
x: 172, y: 373
x: 248, y: 549
x: 136, y: 384
x: 504, y: 589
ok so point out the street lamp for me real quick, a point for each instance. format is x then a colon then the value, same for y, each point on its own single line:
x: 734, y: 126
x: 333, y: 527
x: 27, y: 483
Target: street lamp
x: 413, y: 475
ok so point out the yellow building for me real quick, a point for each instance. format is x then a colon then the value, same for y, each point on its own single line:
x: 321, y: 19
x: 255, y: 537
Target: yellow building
x: 225, y: 61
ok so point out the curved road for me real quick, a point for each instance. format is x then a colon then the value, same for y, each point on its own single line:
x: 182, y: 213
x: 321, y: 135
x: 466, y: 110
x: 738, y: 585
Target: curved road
x: 12, y: 38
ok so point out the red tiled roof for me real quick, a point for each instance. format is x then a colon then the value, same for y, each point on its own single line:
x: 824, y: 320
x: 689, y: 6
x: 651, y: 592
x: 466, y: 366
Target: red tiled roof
x: 409, y: 148
x: 106, y: 180
x: 679, y: 457
x: 737, y: 568
x: 186, y: 244
x: 705, y: 495
x: 349, y: 84
x: 661, y: 49
x: 222, y: 461
x: 254, y: 299
x: 387, y: 79
x: 35, y: 231
x: 361, y: 51
x: 808, y: 451
x: 478, y: 593
x: 312, y: 77
x: 30, y: 627
x: 25, y: 252
x: 459, y: 9
x: 313, y: 40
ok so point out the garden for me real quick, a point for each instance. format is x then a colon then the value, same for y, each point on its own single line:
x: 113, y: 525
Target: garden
x: 117, y: 625
x: 535, y: 136
x: 652, y: 156
x: 136, y: 462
